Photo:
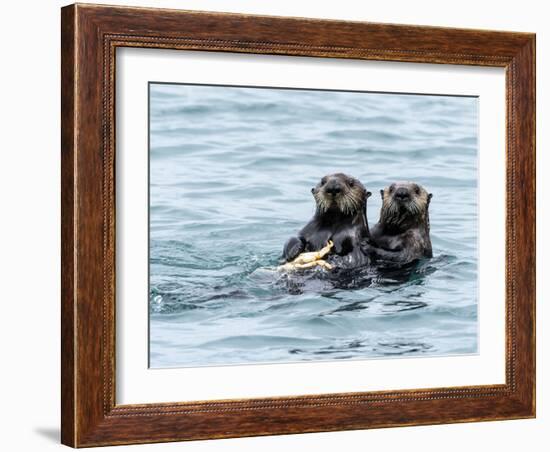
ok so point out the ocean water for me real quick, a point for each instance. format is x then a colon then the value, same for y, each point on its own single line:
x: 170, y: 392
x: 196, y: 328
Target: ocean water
x: 231, y: 170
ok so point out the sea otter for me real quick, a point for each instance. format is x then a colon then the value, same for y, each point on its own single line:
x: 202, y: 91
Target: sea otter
x: 340, y: 217
x: 402, y: 234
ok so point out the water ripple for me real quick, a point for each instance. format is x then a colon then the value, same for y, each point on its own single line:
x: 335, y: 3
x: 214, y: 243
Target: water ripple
x: 231, y: 171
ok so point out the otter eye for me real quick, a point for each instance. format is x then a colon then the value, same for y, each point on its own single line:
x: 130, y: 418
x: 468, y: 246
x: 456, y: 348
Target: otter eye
x: 417, y: 190
x: 392, y: 187
x: 351, y: 183
x: 323, y: 181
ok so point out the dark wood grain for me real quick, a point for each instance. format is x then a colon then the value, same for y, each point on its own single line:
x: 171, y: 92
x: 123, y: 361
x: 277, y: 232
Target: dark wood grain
x: 90, y: 36
x: 68, y: 310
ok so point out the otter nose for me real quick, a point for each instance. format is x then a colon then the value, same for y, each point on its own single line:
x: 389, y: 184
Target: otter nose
x: 333, y: 189
x: 402, y: 194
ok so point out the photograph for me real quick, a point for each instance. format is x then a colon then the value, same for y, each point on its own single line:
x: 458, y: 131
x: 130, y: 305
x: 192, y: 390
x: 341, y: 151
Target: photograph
x: 281, y: 220
x: 290, y: 225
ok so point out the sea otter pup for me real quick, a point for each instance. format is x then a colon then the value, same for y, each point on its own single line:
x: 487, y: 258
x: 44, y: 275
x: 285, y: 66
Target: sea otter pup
x: 340, y: 217
x: 402, y: 234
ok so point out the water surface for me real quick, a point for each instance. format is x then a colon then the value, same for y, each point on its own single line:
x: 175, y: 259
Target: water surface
x: 230, y: 176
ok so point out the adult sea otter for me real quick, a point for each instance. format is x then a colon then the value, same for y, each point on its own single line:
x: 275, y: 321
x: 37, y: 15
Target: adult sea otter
x: 340, y: 218
x: 402, y: 234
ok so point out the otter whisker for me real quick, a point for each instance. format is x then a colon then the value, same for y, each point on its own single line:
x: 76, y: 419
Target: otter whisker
x: 347, y: 203
x: 354, y: 204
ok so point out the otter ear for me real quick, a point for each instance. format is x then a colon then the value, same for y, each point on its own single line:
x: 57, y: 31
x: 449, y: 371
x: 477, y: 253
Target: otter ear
x: 382, y: 193
x: 368, y: 194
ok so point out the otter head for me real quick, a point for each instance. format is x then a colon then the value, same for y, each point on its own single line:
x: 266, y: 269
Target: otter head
x: 404, y: 205
x: 340, y: 193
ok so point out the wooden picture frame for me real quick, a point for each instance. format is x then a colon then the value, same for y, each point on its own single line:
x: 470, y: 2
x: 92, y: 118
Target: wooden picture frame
x: 90, y: 36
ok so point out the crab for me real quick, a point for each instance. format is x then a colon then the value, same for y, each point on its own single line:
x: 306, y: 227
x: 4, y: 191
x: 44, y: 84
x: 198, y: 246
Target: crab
x: 309, y: 260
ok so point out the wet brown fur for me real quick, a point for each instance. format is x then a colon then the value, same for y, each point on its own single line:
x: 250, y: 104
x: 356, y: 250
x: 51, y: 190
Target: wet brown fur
x: 340, y: 216
x: 402, y: 233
